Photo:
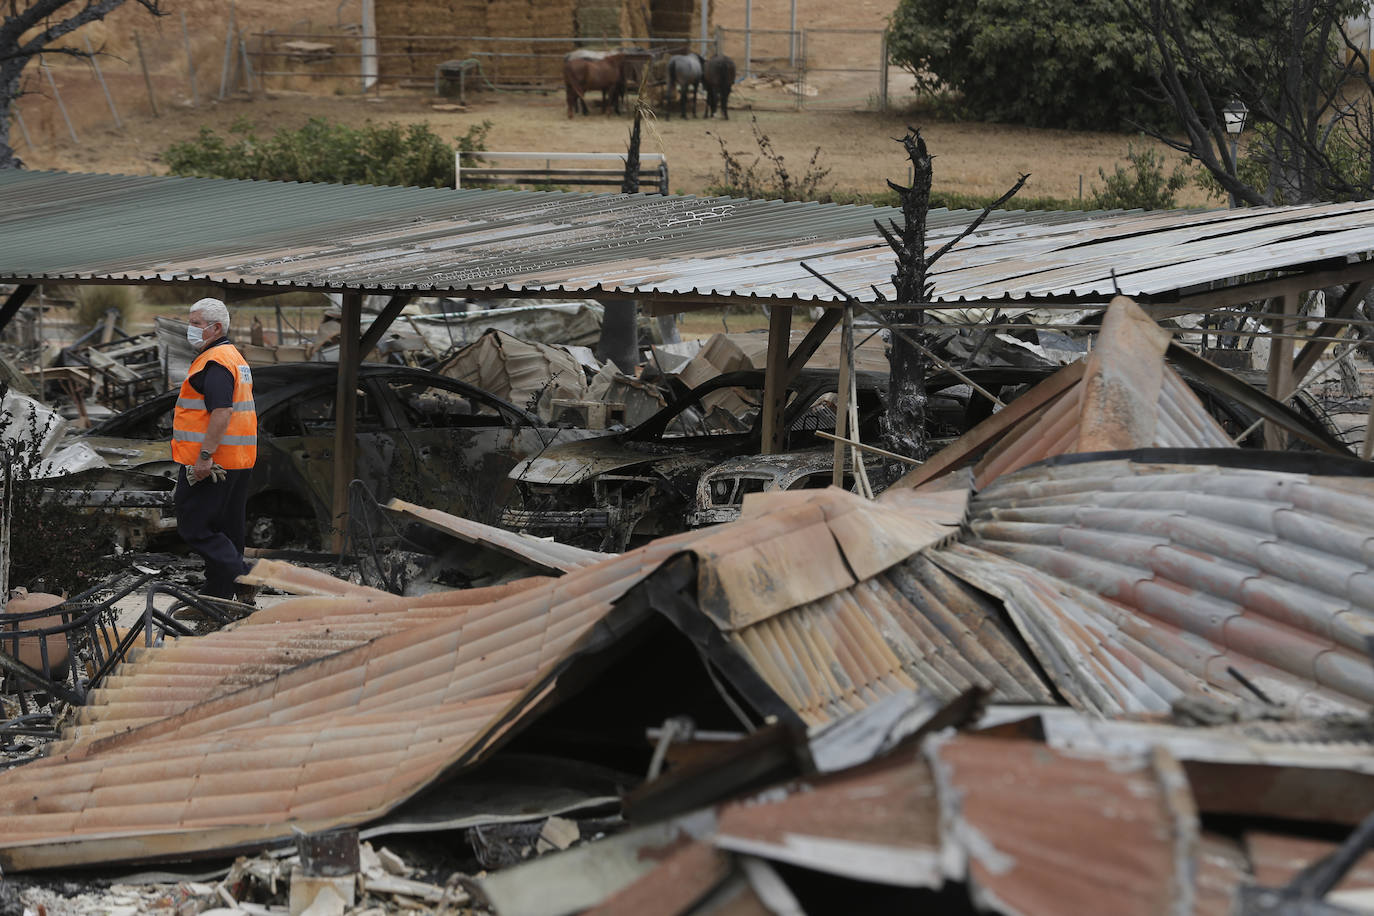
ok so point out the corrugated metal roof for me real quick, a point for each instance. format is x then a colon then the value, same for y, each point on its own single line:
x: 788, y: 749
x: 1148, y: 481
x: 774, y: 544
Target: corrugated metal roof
x: 65, y: 226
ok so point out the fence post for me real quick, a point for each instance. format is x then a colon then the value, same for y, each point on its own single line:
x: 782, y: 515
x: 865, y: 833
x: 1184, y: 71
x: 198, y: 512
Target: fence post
x: 228, y: 54
x: 95, y: 64
x: 147, y: 77
x: 801, y: 70
x: 190, y: 63
x: 882, y: 74
x: 23, y: 128
x: 705, y: 27
x: 57, y: 97
x: 748, y: 37
x: 792, y: 38
x: 720, y: 39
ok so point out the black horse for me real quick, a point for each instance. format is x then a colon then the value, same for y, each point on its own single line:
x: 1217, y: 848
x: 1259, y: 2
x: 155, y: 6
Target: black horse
x: 719, y: 77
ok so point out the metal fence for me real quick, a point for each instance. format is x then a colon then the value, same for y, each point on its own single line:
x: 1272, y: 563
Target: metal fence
x: 778, y: 69
x: 815, y: 69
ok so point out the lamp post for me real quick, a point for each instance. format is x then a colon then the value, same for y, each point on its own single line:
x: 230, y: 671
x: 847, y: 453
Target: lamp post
x: 1233, y: 117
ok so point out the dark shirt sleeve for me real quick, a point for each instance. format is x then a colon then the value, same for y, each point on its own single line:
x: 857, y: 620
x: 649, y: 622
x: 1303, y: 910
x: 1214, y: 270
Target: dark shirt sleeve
x: 216, y: 384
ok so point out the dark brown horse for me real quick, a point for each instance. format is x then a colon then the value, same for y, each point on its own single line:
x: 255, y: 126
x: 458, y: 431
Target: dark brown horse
x: 582, y: 74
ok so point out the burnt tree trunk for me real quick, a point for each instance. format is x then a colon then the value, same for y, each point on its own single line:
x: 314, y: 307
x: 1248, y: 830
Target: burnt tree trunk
x: 619, y: 331
x: 903, y: 424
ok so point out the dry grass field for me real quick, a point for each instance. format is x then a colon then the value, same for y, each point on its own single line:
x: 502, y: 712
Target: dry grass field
x: 856, y: 146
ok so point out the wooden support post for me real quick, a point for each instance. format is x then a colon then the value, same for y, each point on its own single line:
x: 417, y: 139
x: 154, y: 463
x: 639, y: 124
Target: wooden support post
x: 1313, y: 349
x: 774, y: 379
x: 1368, y: 445
x: 842, y: 398
x: 346, y: 415
x: 811, y: 343
x: 14, y: 303
x: 381, y: 324
x: 147, y: 77
x: 1281, y: 367
x: 95, y: 65
x: 190, y: 62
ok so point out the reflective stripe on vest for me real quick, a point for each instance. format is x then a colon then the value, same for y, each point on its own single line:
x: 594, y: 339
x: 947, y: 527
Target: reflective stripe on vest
x: 237, y: 448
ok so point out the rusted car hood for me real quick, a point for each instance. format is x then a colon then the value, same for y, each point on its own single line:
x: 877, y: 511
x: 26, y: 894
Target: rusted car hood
x: 576, y: 462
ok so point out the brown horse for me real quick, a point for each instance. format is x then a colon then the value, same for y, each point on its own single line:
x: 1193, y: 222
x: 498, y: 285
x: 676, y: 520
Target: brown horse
x: 583, y: 74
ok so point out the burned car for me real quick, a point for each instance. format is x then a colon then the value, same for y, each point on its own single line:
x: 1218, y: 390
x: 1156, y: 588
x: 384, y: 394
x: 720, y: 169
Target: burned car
x: 619, y: 489
x: 420, y: 436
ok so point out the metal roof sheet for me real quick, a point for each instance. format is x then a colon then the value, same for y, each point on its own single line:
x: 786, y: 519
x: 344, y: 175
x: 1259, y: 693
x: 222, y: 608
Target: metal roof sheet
x: 68, y: 226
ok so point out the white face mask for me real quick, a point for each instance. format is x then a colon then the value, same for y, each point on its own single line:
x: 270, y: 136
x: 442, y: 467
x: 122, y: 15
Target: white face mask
x: 195, y: 336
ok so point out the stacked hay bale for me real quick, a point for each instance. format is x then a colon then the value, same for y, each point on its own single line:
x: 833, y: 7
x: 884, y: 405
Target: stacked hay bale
x: 406, y: 27
x: 511, y: 19
x: 553, y: 19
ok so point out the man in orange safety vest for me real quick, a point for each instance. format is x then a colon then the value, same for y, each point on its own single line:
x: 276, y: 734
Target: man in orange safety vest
x: 214, y: 440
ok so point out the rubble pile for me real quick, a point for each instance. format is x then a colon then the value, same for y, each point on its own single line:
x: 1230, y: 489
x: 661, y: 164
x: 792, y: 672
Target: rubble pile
x: 1090, y: 657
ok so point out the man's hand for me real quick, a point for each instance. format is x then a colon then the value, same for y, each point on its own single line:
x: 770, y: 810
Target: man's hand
x: 202, y: 468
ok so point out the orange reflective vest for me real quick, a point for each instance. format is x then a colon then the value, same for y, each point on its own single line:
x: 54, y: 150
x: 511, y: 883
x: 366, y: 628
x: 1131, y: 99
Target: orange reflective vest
x: 238, y: 448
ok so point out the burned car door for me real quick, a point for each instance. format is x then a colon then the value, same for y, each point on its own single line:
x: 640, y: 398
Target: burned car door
x: 299, y: 446
x: 460, y: 444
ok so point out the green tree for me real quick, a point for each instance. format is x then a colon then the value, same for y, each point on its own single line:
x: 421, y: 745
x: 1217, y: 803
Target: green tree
x: 1048, y: 63
x: 1305, y: 81
x: 378, y: 154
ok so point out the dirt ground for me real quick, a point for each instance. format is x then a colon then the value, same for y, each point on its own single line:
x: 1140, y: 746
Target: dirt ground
x: 856, y: 145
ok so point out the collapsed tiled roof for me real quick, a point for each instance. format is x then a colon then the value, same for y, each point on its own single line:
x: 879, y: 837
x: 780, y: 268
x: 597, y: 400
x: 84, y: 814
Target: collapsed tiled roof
x: 216, y: 762
x: 1121, y: 584
x: 1032, y: 830
x: 1135, y: 583
x: 1122, y: 395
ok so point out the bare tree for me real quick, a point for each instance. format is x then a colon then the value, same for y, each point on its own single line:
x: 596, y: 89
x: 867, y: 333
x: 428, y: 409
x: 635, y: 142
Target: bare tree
x: 33, y: 28
x: 903, y: 422
x: 1293, y: 65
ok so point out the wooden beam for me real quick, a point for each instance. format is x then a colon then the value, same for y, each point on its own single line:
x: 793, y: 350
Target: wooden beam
x: 774, y: 375
x: 842, y: 430
x: 810, y: 343
x: 1263, y: 289
x: 15, y: 301
x: 346, y: 416
x: 1281, y: 367
x: 381, y: 324
x: 1313, y: 349
x: 967, y: 446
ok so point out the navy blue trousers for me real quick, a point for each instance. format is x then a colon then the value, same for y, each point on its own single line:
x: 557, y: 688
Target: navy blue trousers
x: 210, y: 518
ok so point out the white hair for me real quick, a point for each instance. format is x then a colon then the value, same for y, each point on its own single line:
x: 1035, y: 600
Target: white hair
x: 212, y: 310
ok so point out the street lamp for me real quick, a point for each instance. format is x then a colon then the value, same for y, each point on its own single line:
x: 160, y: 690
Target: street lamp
x: 1233, y: 117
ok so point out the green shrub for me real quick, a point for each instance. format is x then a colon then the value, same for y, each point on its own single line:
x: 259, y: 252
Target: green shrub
x: 92, y: 302
x: 385, y: 154
x: 53, y: 546
x: 1144, y: 185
